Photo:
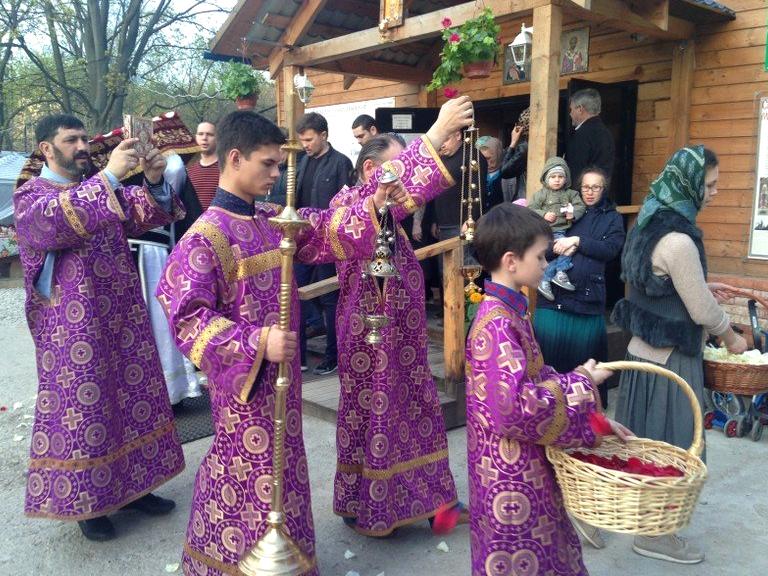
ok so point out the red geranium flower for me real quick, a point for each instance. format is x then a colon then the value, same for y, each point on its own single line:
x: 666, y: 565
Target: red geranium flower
x: 455, y: 38
x: 446, y: 22
x: 450, y: 92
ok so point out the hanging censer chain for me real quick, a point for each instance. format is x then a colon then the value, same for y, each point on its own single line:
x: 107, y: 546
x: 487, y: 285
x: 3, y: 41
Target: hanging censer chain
x: 470, y: 183
x: 471, y: 193
x: 382, y: 265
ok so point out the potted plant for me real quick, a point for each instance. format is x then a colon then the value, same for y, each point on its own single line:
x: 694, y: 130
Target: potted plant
x: 242, y: 84
x: 470, y: 50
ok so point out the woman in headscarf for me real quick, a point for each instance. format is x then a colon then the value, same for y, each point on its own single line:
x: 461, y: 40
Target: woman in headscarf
x: 515, y: 163
x: 669, y: 310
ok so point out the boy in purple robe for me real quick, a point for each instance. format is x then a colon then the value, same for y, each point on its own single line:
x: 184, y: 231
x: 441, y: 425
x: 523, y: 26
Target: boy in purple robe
x: 103, y: 436
x: 516, y: 405
x: 392, y: 451
x: 220, y: 290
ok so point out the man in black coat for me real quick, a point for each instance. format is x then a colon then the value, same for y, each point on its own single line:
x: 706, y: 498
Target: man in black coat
x: 320, y: 174
x: 591, y: 143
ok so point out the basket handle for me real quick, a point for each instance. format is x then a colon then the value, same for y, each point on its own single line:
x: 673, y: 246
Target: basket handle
x: 697, y: 446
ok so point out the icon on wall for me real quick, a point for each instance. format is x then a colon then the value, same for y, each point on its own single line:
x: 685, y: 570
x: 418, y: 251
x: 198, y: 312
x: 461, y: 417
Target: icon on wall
x: 512, y: 72
x: 575, y: 50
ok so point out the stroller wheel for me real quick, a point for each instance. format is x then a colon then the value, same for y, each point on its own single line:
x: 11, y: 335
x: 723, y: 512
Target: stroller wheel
x: 708, y: 418
x: 757, y: 431
x: 731, y: 428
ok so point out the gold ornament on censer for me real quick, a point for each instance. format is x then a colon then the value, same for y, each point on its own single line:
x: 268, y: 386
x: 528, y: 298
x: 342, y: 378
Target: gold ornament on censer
x: 471, y: 196
x: 382, y: 264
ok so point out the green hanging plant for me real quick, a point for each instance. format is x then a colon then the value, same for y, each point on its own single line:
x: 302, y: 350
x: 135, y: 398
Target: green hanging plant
x: 240, y: 80
x: 476, y: 40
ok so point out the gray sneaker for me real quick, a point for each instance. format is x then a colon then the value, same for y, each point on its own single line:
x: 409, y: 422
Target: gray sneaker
x: 671, y: 548
x: 561, y: 279
x: 588, y: 533
x: 545, y: 289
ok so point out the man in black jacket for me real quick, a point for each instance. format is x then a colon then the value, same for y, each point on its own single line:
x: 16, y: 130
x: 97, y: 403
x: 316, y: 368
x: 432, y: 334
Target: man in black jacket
x: 321, y: 173
x: 591, y: 143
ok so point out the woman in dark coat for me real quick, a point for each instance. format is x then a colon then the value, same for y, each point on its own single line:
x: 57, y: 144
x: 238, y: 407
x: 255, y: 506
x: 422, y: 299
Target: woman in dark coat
x: 571, y: 329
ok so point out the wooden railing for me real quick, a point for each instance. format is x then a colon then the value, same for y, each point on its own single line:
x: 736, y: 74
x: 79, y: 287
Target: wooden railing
x: 453, y: 307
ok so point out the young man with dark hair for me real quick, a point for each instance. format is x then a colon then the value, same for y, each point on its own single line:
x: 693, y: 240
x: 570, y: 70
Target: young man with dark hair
x: 321, y: 173
x: 221, y: 293
x: 103, y: 436
x: 364, y: 128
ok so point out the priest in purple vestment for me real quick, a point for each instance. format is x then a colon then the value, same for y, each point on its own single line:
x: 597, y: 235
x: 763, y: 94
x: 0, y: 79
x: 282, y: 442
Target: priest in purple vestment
x: 516, y: 405
x: 103, y: 436
x: 392, y: 451
x: 220, y: 290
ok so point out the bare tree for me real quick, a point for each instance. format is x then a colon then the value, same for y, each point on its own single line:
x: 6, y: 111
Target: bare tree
x: 97, y: 47
x: 12, y: 14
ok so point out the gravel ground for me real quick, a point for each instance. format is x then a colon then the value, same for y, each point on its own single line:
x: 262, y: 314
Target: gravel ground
x: 12, y: 307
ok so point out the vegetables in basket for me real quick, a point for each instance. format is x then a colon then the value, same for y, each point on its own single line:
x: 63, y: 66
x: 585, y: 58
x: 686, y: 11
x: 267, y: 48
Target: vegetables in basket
x: 752, y: 357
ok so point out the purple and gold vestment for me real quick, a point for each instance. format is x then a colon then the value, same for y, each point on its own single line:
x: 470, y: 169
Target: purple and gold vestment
x: 392, y: 449
x: 516, y: 405
x: 103, y: 433
x: 220, y: 289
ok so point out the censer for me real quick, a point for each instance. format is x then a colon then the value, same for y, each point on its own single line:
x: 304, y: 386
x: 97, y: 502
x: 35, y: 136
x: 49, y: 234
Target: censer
x: 471, y: 193
x: 382, y: 264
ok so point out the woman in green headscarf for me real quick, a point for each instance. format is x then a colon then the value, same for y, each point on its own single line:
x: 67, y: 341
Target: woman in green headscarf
x: 669, y: 309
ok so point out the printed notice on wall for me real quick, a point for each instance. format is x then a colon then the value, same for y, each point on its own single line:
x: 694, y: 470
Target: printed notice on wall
x: 758, y: 238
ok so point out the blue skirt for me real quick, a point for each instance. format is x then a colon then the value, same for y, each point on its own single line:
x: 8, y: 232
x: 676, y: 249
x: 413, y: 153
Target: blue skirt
x: 568, y: 340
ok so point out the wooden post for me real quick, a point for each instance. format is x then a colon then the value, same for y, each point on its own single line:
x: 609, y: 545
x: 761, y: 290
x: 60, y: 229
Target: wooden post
x: 292, y: 108
x: 545, y: 95
x: 683, y: 64
x: 545, y: 91
x: 453, y: 322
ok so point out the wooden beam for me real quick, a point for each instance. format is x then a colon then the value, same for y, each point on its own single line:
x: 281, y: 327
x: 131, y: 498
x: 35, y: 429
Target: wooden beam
x: 683, y: 66
x: 377, y: 69
x: 453, y: 320
x: 349, y: 79
x: 300, y: 22
x: 415, y: 28
x: 620, y: 15
x: 390, y: 14
x: 545, y: 90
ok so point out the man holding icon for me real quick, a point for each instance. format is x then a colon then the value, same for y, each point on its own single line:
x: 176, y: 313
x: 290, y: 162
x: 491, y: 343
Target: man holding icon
x: 103, y: 437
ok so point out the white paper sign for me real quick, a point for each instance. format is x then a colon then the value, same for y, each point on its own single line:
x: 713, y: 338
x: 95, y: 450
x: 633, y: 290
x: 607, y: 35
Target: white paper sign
x: 758, y: 237
x: 402, y: 122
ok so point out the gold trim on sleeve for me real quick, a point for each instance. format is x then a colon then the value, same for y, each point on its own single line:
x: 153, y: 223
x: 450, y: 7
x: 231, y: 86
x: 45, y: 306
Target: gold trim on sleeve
x: 71, y: 214
x: 112, y: 202
x: 438, y: 161
x: 220, y: 244
x: 338, y: 217
x: 253, y: 372
x: 215, y: 327
x: 559, y: 422
x: 257, y: 264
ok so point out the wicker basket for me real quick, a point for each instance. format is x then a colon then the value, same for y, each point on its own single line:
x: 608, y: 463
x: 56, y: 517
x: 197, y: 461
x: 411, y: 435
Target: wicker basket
x: 733, y: 378
x: 634, y: 503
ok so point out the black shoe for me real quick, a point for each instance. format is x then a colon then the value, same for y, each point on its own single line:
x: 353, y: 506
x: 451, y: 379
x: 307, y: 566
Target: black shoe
x: 151, y: 505
x: 324, y: 368
x: 350, y: 521
x: 178, y: 408
x: 97, y: 529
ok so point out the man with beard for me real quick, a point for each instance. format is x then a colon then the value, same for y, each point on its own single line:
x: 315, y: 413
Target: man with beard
x: 103, y: 436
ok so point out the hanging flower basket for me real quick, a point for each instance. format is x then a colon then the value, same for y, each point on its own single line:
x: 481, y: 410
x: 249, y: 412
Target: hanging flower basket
x: 246, y: 102
x: 475, y: 43
x: 481, y: 69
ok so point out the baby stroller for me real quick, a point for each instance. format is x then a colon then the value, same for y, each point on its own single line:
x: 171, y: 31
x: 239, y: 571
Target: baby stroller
x: 738, y: 411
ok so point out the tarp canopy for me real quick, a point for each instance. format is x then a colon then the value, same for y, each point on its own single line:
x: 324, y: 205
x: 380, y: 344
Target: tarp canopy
x: 11, y: 164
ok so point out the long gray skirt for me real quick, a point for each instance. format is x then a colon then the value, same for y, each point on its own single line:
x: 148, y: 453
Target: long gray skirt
x: 656, y: 408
